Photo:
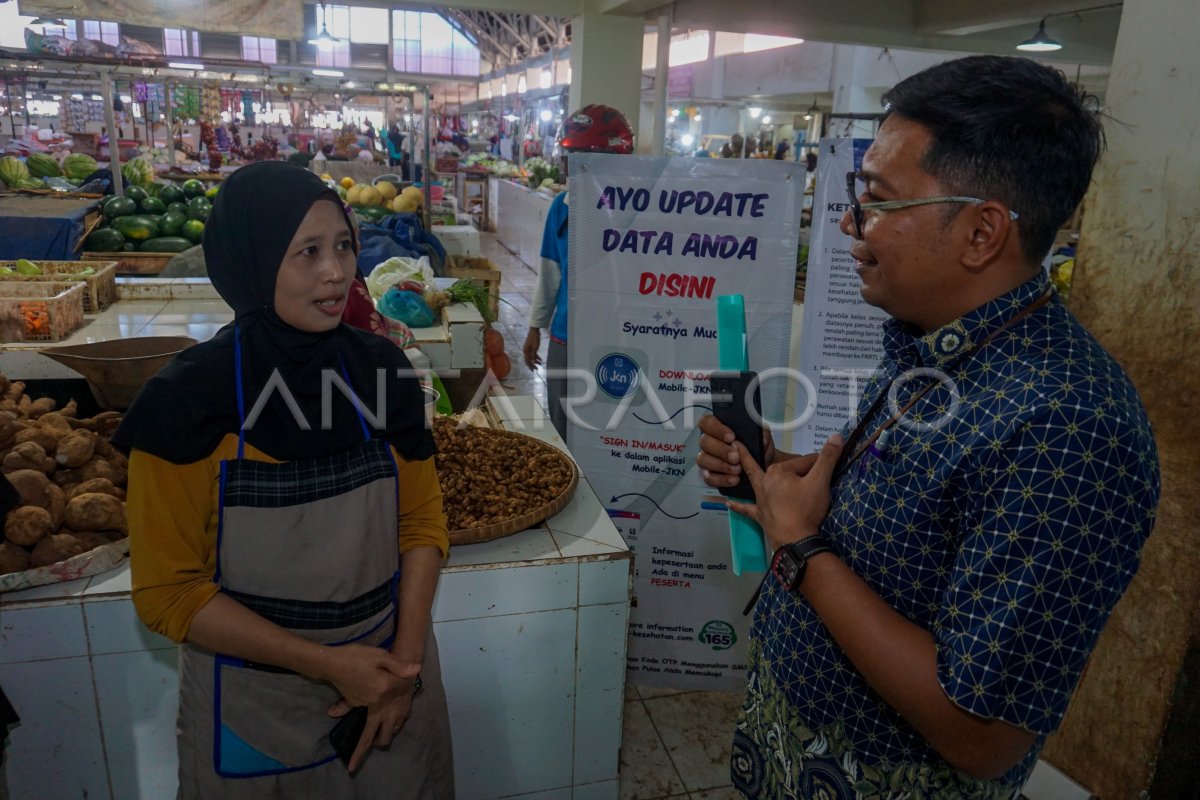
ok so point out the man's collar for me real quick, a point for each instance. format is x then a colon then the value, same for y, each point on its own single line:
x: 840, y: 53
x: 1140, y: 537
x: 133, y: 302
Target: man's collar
x: 909, y: 347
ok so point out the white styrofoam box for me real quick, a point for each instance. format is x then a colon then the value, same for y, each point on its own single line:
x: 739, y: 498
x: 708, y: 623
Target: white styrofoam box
x: 138, y: 697
x: 466, y: 345
x: 56, y: 751
x: 459, y: 240
x: 525, y: 745
x: 599, y: 691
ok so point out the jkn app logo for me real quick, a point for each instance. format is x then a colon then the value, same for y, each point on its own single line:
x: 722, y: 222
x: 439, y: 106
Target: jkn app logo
x: 717, y: 633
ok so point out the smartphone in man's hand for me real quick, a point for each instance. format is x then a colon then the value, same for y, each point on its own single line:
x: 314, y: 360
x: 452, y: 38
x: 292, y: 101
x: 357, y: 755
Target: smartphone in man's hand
x: 736, y: 405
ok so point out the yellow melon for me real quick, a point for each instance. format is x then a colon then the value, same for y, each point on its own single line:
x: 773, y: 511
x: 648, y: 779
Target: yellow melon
x: 387, y: 190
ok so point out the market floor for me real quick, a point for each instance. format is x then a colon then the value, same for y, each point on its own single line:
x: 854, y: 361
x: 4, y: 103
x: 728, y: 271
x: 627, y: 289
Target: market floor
x: 674, y: 744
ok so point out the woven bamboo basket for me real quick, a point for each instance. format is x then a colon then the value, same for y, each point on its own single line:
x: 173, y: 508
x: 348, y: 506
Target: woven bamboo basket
x: 527, y: 520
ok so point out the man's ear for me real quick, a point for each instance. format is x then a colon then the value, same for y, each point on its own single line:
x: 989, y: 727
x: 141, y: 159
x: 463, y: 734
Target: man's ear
x: 992, y: 233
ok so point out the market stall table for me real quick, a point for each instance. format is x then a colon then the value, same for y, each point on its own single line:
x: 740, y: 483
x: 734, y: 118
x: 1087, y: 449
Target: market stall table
x: 42, y: 228
x: 531, y: 629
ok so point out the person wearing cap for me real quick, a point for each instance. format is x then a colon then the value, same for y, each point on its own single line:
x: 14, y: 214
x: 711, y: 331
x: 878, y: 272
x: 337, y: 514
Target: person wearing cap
x: 592, y: 129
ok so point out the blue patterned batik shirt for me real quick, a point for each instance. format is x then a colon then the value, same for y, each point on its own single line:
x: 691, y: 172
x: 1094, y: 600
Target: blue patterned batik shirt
x: 1005, y: 514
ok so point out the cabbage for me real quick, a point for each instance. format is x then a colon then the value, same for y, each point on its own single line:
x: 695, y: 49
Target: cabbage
x: 396, y: 270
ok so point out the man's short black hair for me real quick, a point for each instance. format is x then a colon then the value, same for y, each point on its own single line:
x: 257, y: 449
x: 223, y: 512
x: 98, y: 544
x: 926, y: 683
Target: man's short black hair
x: 1007, y: 129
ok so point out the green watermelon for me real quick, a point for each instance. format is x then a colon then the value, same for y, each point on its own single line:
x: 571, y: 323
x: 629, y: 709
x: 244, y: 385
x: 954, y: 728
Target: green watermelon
x: 171, y: 194
x: 193, y: 188
x: 41, y: 165
x: 172, y: 223
x: 77, y: 166
x: 13, y: 170
x: 135, y: 193
x: 165, y: 244
x: 30, y: 183
x: 136, y: 228
x: 153, y: 205
x: 129, y: 247
x: 138, y: 171
x: 193, y: 230
x: 178, y: 206
x: 105, y: 240
x: 119, y: 207
x: 199, y: 208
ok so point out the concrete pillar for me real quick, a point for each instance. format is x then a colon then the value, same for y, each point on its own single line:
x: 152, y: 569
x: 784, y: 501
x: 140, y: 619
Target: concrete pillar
x: 1136, y: 288
x: 606, y: 63
x: 662, y: 69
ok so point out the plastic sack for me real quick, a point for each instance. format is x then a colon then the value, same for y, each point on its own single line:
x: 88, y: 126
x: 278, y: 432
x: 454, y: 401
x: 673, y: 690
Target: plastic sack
x: 396, y: 270
x: 407, y: 307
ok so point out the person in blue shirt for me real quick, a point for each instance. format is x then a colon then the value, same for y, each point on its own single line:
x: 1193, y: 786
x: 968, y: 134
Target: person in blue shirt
x: 943, y: 567
x: 592, y: 129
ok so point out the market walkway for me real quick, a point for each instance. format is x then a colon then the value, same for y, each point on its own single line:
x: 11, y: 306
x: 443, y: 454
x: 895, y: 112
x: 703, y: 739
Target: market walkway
x: 674, y: 744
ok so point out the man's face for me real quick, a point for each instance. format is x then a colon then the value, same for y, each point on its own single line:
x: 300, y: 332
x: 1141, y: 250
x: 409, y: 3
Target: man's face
x: 906, y: 259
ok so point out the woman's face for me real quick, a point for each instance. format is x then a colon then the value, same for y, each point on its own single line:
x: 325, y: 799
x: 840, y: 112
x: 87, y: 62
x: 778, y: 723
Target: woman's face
x: 317, y: 270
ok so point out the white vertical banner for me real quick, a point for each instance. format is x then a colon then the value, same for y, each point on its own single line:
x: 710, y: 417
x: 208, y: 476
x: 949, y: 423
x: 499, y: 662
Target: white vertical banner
x: 841, y: 340
x: 653, y: 243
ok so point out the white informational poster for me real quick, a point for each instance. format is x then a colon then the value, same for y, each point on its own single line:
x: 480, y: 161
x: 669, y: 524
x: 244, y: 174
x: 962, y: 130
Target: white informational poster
x: 842, y: 340
x: 653, y: 243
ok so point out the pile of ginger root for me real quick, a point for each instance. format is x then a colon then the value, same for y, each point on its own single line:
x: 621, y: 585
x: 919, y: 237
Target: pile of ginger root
x: 70, y: 480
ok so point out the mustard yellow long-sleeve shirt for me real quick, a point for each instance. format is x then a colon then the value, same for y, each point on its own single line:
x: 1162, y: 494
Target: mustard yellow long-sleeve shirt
x: 172, y: 511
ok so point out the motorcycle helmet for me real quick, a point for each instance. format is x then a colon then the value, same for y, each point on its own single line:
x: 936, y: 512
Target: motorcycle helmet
x: 597, y: 129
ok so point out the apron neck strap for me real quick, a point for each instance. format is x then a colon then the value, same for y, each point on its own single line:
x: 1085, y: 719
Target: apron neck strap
x: 241, y: 398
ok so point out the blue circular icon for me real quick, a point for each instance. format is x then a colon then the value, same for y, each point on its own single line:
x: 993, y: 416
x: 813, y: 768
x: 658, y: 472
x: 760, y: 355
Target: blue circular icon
x: 617, y: 375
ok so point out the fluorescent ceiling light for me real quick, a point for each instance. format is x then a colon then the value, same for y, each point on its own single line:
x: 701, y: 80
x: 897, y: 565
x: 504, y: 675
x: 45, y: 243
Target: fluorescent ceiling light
x: 767, y: 120
x: 687, y: 140
x: 184, y: 65
x: 754, y: 112
x: 697, y: 118
x: 546, y: 116
x: 328, y: 73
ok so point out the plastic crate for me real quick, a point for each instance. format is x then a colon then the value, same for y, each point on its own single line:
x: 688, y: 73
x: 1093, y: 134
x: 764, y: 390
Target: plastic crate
x: 479, y: 270
x: 40, y: 312
x: 134, y: 262
x: 445, y: 164
x: 101, y: 284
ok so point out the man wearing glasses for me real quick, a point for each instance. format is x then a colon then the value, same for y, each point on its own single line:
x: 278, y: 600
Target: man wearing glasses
x: 943, y: 568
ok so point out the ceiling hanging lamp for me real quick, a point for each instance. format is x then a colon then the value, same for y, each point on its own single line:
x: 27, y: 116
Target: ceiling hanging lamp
x: 324, y: 40
x: 1040, y: 42
x: 812, y: 110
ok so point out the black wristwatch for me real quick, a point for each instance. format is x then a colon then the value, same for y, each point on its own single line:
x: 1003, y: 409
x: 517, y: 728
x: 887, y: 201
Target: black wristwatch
x: 790, y: 561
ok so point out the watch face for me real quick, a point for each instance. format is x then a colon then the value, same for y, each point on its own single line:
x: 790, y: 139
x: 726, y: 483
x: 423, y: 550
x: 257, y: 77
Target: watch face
x: 785, y: 569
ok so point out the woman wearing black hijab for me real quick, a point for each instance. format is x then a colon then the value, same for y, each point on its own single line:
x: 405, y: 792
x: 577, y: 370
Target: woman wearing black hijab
x: 288, y: 537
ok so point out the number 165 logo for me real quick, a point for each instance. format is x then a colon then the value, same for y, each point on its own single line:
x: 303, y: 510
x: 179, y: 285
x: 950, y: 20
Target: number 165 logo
x: 718, y: 634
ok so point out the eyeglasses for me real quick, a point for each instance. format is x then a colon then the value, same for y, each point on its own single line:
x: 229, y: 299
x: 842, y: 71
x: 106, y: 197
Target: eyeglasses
x: 857, y: 208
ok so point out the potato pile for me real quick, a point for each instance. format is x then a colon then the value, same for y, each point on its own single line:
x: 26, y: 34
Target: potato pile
x: 490, y: 476
x: 70, y: 479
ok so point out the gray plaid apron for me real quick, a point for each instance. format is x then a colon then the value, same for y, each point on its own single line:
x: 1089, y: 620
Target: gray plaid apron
x: 311, y: 545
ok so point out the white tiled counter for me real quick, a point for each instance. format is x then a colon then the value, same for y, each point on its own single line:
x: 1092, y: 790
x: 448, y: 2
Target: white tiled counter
x: 531, y: 630
x: 192, y: 307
